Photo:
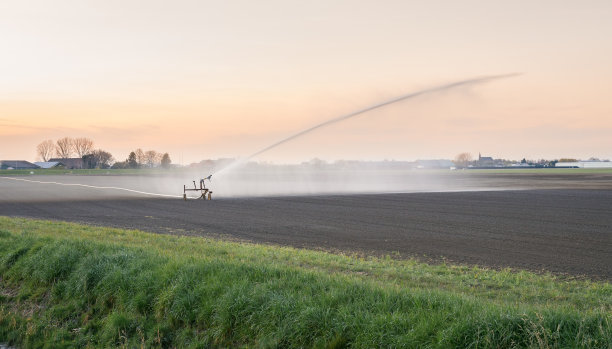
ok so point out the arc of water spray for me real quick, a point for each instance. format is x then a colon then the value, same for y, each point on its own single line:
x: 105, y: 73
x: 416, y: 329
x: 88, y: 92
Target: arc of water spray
x: 462, y: 83
x: 301, y: 133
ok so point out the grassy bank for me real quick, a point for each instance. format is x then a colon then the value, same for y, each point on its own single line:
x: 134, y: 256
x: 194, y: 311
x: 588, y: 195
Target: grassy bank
x: 70, y: 285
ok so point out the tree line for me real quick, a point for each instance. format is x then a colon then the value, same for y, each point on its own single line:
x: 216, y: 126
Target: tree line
x: 83, y: 148
x: 144, y: 159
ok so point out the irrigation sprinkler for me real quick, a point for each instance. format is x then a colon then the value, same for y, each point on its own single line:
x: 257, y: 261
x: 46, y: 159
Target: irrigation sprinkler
x: 204, y: 193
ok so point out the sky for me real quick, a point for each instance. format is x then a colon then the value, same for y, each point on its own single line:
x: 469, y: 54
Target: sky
x: 205, y: 80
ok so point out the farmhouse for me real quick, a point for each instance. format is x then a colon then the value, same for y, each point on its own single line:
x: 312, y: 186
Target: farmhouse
x: 50, y: 164
x: 69, y: 163
x: 16, y: 165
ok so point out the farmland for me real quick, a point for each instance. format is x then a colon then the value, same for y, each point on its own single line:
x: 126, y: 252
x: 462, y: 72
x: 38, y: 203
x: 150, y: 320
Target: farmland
x: 490, y: 267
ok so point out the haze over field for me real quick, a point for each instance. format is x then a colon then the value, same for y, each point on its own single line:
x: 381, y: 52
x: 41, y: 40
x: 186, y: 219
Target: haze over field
x: 224, y: 79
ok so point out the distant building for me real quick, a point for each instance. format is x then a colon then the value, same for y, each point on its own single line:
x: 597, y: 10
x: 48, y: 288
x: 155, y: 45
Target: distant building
x: 16, y: 165
x: 485, y: 161
x: 584, y: 164
x: 69, y: 163
x: 50, y: 164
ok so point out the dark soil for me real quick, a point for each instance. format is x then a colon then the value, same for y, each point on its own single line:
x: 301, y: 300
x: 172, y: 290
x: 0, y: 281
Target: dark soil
x: 563, y: 231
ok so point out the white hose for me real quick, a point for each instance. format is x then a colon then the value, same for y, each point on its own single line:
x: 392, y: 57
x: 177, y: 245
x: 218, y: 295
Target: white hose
x: 93, y: 186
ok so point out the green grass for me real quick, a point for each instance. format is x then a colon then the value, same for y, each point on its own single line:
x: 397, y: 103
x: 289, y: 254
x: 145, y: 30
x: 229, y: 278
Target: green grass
x: 69, y: 285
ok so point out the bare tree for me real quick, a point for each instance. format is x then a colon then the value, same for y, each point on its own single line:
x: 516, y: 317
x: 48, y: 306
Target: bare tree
x: 140, y: 157
x: 151, y: 157
x: 82, y: 146
x: 45, y: 150
x: 463, y: 159
x: 63, y: 148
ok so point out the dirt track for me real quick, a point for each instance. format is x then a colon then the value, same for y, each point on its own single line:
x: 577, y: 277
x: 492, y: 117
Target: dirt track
x: 564, y: 231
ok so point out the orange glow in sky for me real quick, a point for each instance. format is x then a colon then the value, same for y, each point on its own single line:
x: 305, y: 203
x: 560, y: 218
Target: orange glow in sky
x: 204, y: 79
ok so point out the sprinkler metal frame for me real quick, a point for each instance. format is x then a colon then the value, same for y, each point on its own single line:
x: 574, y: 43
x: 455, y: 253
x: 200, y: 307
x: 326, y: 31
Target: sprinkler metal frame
x: 205, y: 193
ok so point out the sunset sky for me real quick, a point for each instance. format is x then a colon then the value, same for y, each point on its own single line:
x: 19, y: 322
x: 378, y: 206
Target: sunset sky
x: 203, y: 79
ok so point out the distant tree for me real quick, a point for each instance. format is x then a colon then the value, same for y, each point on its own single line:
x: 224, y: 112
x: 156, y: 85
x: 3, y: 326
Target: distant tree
x: 64, y: 147
x: 568, y: 160
x: 82, y: 146
x: 102, y: 158
x: 97, y: 159
x: 463, y: 159
x: 131, y: 161
x: 120, y: 165
x: 524, y: 161
x: 150, y: 158
x: 140, y: 157
x: 165, y: 160
x: 45, y: 150
x: 317, y: 162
